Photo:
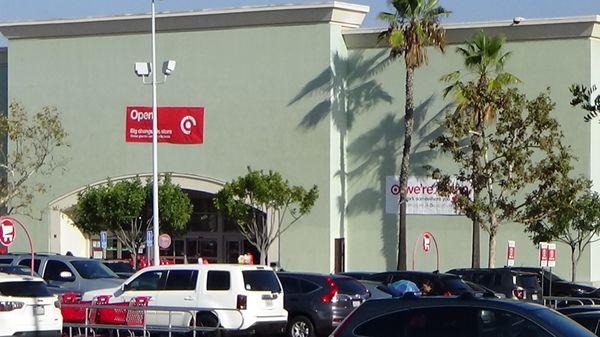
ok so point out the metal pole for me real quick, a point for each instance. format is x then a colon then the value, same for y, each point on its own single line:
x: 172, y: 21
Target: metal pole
x: 155, y: 215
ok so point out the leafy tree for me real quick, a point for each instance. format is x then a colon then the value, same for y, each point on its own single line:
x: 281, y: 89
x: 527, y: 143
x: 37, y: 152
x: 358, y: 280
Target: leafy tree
x: 249, y: 198
x: 484, y: 60
x: 568, y: 212
x: 34, y: 143
x: 124, y: 208
x: 522, y: 152
x: 583, y: 97
x: 412, y: 29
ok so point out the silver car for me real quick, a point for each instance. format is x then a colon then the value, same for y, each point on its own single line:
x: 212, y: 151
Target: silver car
x: 67, y: 273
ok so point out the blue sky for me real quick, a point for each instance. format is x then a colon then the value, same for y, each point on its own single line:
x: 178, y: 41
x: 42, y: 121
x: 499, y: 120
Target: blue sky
x: 463, y: 10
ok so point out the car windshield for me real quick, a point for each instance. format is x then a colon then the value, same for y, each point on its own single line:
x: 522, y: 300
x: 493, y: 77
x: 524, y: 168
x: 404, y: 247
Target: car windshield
x: 24, y: 289
x: 91, y: 269
x: 350, y: 287
x: 553, y: 277
x: 261, y: 280
x: 527, y: 281
x: 120, y: 267
x: 566, y: 326
x: 455, y: 284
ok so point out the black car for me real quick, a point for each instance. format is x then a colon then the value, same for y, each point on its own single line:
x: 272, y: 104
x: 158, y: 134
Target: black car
x: 560, y: 287
x: 359, y: 275
x: 575, y: 309
x: 589, y: 319
x: 512, y: 283
x: 122, y: 268
x: 437, y: 283
x: 456, y: 316
x: 317, y: 303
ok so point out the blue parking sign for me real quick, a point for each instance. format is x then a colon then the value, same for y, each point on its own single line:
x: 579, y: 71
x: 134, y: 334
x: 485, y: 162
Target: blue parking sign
x: 103, y: 240
x: 149, y: 238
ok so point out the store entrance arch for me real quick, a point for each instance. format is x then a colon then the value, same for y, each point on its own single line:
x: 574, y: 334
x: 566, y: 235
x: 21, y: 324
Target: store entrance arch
x: 209, y: 234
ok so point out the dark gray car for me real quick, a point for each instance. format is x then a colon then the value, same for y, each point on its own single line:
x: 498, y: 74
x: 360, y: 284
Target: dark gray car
x: 67, y: 273
x: 461, y: 316
x: 317, y: 303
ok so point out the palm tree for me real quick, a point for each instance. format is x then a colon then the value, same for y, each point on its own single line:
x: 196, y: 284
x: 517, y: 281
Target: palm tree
x: 484, y: 59
x: 412, y: 28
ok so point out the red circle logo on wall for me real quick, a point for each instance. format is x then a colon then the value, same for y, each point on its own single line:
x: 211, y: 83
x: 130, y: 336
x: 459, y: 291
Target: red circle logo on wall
x: 7, y: 232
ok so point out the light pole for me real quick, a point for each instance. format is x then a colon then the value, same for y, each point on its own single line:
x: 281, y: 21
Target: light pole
x: 144, y: 69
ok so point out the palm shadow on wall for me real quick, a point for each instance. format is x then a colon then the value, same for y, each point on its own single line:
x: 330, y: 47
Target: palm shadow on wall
x: 377, y: 154
x: 349, y: 89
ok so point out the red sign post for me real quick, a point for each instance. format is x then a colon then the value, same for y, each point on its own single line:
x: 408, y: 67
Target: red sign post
x: 510, y: 254
x: 7, y: 232
x: 551, y: 255
x: 543, y: 254
x: 180, y: 125
x: 7, y: 235
x: 426, y: 242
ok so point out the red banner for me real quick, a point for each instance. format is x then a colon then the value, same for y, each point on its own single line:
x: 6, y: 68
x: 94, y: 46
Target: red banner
x: 179, y: 125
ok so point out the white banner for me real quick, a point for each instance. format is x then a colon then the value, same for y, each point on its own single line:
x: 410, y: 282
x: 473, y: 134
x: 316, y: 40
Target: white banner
x: 422, y: 197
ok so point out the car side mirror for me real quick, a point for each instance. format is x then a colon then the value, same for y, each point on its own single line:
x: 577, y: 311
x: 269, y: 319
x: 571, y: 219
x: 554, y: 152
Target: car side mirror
x: 67, y: 276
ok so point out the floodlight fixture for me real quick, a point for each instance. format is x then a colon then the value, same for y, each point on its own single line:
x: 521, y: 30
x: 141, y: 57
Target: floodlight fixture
x: 143, y: 68
x: 169, y: 67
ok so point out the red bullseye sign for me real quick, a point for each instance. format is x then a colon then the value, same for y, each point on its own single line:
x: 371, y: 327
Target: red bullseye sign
x: 164, y: 241
x: 7, y: 232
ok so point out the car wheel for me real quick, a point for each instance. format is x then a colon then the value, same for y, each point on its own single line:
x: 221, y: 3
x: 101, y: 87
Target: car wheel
x: 208, y: 320
x: 300, y: 326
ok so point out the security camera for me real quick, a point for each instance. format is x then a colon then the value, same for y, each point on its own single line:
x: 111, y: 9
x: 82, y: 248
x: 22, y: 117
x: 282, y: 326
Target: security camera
x: 142, y: 68
x: 518, y: 19
x: 169, y: 67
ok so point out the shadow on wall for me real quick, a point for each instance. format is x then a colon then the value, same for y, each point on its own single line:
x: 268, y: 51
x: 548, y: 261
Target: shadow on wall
x: 350, y: 89
x: 378, y: 153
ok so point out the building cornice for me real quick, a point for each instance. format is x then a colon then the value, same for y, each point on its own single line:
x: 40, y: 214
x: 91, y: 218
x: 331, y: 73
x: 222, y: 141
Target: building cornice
x: 527, y: 29
x: 344, y: 14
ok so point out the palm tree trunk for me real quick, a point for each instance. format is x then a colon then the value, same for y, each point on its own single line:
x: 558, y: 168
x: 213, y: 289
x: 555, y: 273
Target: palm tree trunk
x: 408, y: 130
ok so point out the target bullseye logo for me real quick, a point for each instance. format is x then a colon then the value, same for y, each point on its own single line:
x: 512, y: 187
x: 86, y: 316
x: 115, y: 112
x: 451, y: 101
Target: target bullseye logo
x: 395, y: 189
x: 186, y: 124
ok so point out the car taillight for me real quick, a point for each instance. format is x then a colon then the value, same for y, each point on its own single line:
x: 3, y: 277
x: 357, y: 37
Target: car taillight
x: 331, y: 292
x: 519, y: 293
x: 447, y: 293
x: 242, y: 301
x: 10, y: 305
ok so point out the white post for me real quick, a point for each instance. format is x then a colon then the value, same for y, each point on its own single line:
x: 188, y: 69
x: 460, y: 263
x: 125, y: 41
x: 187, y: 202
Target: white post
x: 155, y: 216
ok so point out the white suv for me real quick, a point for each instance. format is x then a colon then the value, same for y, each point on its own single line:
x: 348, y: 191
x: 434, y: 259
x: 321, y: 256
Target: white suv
x: 250, y: 297
x: 27, y: 308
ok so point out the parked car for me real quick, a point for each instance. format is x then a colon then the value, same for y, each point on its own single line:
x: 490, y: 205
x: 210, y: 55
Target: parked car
x: 560, y: 287
x: 456, y: 316
x: 439, y: 283
x: 316, y: 303
x: 122, y: 268
x: 67, y: 273
x: 250, y: 297
x: 27, y: 308
x: 359, y: 275
x: 577, y: 309
x: 512, y: 283
x: 588, y: 319
x: 481, y: 290
x: 16, y: 270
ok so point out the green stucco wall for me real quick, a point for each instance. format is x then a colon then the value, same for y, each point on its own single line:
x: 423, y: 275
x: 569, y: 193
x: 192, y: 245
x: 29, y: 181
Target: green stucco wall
x: 375, y: 148
x: 247, y: 79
